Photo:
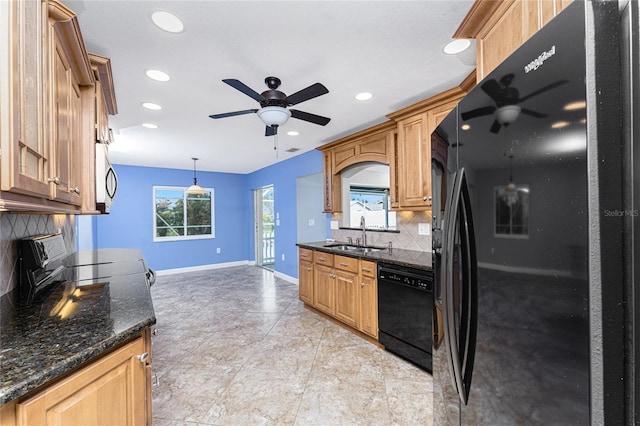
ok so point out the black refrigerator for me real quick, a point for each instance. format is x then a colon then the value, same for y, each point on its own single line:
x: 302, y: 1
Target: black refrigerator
x: 533, y: 241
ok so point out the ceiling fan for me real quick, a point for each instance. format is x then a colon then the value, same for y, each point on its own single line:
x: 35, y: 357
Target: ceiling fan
x: 507, y: 100
x: 274, y: 103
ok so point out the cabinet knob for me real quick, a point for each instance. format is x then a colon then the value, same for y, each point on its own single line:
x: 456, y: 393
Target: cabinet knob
x: 76, y: 190
x: 362, y: 284
x: 425, y: 198
x: 55, y: 180
x: 143, y: 357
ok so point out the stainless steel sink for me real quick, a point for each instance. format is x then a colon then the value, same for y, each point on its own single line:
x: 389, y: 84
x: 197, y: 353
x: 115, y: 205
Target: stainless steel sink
x: 354, y: 248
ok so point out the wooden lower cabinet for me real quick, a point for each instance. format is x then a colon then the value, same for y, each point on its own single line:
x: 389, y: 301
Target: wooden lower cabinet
x: 114, y: 390
x: 368, y: 298
x: 324, y: 289
x: 305, y: 275
x: 347, y: 291
x: 344, y: 288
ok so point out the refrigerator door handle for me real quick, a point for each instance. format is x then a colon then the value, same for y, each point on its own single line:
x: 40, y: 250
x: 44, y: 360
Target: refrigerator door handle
x: 469, y: 314
x: 461, y: 347
x: 448, y: 311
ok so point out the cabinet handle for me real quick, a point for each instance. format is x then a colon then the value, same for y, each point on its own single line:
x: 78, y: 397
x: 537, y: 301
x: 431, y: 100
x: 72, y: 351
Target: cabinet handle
x: 308, y: 268
x: 344, y: 264
x: 366, y: 269
x: 55, y: 180
x: 76, y: 190
x: 143, y: 357
x: 322, y: 259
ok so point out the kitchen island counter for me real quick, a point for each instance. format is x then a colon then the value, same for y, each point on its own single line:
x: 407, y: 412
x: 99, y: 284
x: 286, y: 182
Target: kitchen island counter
x: 66, y: 326
x: 410, y: 258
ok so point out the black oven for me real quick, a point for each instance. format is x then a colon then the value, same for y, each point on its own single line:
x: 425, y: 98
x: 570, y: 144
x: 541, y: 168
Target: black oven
x: 405, y: 308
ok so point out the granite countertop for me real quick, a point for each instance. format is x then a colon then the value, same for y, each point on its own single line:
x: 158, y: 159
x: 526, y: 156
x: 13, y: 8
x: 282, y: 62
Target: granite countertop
x: 65, y: 326
x: 410, y: 258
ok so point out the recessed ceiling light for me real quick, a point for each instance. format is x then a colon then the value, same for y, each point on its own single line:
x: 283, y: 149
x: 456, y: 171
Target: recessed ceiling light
x: 167, y: 21
x: 293, y: 133
x: 456, y: 46
x: 559, y: 124
x: 157, y: 75
x: 364, y: 96
x: 151, y: 105
x: 150, y: 125
x: 465, y: 127
x: 572, y: 106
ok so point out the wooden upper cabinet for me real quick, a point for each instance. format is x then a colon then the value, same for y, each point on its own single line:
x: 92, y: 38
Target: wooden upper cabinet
x: 23, y: 125
x: 370, y: 145
x: 500, y: 27
x: 411, y: 166
x: 47, y: 110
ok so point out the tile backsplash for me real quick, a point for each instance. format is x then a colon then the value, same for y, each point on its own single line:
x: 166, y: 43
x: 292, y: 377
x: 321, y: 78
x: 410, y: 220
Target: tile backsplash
x: 407, y: 239
x: 14, y: 227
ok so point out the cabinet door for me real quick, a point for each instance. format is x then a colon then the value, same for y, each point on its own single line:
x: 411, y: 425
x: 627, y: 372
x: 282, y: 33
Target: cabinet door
x: 305, y: 282
x: 413, y: 155
x: 324, y: 289
x: 347, y: 293
x: 369, y: 305
x: 25, y: 154
x: 111, y: 391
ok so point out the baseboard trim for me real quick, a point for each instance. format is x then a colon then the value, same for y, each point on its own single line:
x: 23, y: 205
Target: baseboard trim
x: 203, y: 267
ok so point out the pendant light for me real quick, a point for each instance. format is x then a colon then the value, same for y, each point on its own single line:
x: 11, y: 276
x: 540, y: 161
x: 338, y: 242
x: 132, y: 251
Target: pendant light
x: 194, y: 189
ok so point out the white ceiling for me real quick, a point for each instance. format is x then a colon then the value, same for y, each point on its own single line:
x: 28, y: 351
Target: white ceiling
x: 390, y: 48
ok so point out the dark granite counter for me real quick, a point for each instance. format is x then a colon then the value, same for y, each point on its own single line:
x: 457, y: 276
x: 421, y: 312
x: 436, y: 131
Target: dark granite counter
x: 410, y: 258
x: 67, y: 325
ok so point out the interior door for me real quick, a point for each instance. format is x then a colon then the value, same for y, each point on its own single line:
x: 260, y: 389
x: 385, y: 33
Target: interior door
x: 264, y: 227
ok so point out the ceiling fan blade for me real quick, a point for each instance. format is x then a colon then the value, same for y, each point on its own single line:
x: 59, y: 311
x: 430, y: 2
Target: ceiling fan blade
x: 231, y: 114
x: 532, y: 113
x: 310, y: 92
x: 495, y: 127
x: 478, y: 112
x: 492, y: 88
x: 270, y: 130
x: 544, y: 89
x: 307, y: 116
x: 238, y: 85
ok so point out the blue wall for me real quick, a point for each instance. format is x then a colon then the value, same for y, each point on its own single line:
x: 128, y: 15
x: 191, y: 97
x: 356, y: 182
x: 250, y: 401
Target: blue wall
x: 130, y: 222
x: 283, y: 178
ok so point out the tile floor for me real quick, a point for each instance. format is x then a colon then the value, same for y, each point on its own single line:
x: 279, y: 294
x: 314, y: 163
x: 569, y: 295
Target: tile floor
x: 235, y: 346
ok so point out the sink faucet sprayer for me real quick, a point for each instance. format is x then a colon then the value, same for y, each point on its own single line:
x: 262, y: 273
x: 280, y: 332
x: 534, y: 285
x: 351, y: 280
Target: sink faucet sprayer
x: 364, y: 231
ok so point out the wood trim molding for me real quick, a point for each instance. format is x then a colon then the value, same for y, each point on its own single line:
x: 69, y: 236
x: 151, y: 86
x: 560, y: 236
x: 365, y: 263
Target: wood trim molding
x: 382, y: 127
x: 481, y: 13
x: 66, y: 25
x: 103, y: 73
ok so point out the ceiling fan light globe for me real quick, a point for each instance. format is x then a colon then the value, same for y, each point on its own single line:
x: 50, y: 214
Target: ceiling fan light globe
x: 274, y: 115
x: 507, y: 114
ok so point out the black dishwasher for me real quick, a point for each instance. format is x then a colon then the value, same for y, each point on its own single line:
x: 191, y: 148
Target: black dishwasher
x: 405, y: 309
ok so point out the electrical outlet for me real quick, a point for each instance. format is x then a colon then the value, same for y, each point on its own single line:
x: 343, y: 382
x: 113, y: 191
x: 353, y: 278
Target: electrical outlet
x: 335, y: 224
x: 218, y: 250
x: 424, y: 229
x: 312, y: 222
x: 282, y: 256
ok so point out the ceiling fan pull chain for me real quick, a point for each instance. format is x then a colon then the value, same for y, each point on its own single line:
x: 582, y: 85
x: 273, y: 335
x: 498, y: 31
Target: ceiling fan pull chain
x: 275, y: 144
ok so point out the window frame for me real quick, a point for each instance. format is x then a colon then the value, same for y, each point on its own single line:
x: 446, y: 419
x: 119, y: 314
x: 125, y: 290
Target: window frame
x: 157, y: 239
x: 378, y: 191
x: 525, y: 205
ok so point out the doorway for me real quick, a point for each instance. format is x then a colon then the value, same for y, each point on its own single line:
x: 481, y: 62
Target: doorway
x: 264, y: 227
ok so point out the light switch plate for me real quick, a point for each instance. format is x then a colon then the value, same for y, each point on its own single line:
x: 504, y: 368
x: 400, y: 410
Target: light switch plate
x: 334, y: 224
x: 312, y: 222
x: 424, y: 229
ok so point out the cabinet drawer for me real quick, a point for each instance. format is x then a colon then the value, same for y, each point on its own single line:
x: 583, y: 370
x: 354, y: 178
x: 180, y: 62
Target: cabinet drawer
x: 323, y: 258
x: 305, y: 255
x: 368, y: 268
x: 346, y: 263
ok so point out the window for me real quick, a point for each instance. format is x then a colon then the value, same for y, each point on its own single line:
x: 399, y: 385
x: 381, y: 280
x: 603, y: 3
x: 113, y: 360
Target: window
x: 180, y: 216
x: 511, y: 211
x: 373, y: 204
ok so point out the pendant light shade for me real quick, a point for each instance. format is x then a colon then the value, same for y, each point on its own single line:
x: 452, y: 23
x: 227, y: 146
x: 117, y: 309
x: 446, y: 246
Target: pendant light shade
x: 195, y: 189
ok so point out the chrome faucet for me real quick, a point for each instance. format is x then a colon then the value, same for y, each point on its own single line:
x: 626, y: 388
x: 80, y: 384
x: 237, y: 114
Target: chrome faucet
x: 364, y: 231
